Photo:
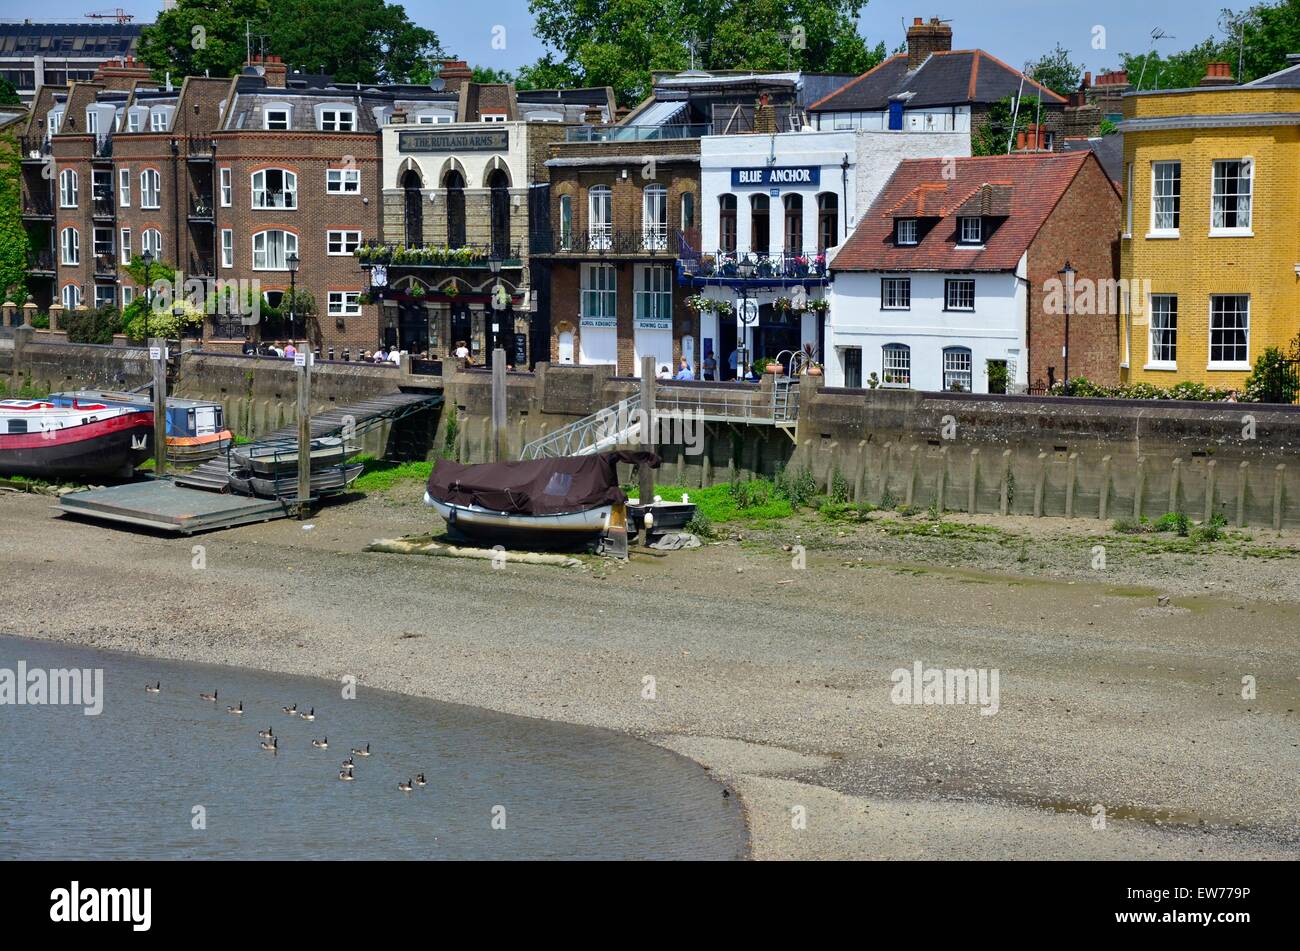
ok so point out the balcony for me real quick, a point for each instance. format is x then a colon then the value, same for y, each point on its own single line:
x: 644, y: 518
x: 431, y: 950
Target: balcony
x: 106, y: 264
x: 602, y: 242
x: 200, y: 208
x: 103, y: 206
x: 34, y: 206
x: 103, y: 146
x: 202, y: 265
x: 35, y: 148
x: 636, y: 133
x: 40, y: 262
x: 200, y: 148
x: 471, y: 256
x: 732, y: 268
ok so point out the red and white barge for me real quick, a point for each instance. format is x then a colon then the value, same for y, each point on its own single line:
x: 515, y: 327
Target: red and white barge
x: 41, y: 439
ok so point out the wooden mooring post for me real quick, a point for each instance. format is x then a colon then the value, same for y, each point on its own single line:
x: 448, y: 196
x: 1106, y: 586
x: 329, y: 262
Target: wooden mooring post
x: 158, y: 357
x: 646, y: 475
x: 499, y: 405
x: 303, y: 361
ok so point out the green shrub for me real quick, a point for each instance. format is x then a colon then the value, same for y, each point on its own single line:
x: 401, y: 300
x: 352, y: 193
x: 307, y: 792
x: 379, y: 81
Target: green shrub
x: 1172, y: 522
x: 1127, y: 526
x: 1273, y: 380
x: 799, y: 489
x: 840, y: 488
x: 93, y: 326
x: 845, y: 511
x: 1210, y: 531
x: 701, y: 525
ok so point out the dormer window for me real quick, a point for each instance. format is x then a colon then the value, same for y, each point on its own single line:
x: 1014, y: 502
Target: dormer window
x: 158, y: 120
x: 905, y: 231
x: 970, y: 230
x: 337, y: 120
x: 276, y: 119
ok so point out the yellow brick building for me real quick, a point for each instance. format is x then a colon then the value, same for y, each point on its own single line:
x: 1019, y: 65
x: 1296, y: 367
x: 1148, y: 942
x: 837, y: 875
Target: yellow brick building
x: 1212, y: 222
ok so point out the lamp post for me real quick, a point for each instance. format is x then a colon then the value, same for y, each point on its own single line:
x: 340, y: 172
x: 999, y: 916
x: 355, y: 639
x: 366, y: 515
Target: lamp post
x: 147, y: 258
x: 494, y: 265
x: 1067, y: 274
x: 178, y: 311
x: 292, y: 262
x: 744, y: 268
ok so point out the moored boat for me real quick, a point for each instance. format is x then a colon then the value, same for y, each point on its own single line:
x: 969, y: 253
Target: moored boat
x: 196, y: 429
x: 539, y: 503
x: 329, y: 481
x: 84, y: 440
x: 277, y: 459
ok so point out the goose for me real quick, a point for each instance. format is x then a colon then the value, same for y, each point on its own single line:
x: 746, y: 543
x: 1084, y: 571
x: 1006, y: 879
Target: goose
x: 309, y: 716
x: 348, y: 764
x: 266, y: 734
x: 365, y: 752
x: 273, y: 746
x: 346, y: 775
x: 405, y: 787
x: 290, y: 710
x: 237, y: 711
x: 156, y: 688
x: 210, y: 697
x: 419, y: 779
x: 321, y: 744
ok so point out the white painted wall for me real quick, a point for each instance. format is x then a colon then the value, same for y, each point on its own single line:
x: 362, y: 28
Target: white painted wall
x: 476, y: 164
x: 924, y: 121
x: 995, y: 330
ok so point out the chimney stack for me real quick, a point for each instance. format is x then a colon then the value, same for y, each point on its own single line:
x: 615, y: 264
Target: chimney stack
x: 455, y: 73
x: 121, y: 74
x: 926, y: 38
x: 1218, y: 74
x: 271, y: 68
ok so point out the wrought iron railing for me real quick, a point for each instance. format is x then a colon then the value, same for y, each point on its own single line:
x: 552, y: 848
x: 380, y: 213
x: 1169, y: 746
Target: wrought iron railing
x: 200, y: 206
x: 636, y: 133
x: 468, y: 256
x: 35, y: 148
x: 199, y: 146
x: 103, y: 145
x: 106, y: 263
x: 103, y: 206
x: 202, y: 265
x: 601, y: 241
x: 36, y: 206
x: 753, y: 266
x: 40, y: 261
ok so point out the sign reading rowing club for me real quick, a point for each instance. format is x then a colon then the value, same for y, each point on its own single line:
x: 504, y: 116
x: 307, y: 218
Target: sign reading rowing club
x: 487, y: 140
x: 776, y: 176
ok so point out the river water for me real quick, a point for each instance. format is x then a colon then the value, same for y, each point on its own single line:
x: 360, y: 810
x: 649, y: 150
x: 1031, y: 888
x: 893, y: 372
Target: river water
x: 136, y: 780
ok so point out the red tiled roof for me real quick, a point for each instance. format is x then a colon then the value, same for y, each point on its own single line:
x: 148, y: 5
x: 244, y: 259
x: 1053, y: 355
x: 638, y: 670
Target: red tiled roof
x: 1024, y: 186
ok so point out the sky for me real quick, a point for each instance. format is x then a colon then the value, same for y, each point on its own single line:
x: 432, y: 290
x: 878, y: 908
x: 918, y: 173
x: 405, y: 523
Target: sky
x: 1015, y: 31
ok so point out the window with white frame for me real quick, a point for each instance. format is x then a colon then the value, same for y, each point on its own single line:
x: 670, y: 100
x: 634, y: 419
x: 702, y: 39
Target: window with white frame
x: 957, y: 369
x: 71, y: 297
x: 342, y: 242
x: 895, y: 293
x: 105, y: 295
x: 905, y: 231
x: 69, y: 188
x: 493, y: 117
x: 433, y: 118
x: 654, y: 218
x: 92, y: 121
x: 566, y: 222
x: 1230, y: 330
x: 343, y: 181
x: 1230, y: 203
x: 344, y: 303
x: 896, y: 364
x: 227, y: 247
x: 276, y: 119
x: 337, y: 120
x: 654, y: 299
x: 600, y: 215
x: 970, y: 230
x: 959, y: 294
x: 158, y: 120
x: 599, y: 291
x: 124, y: 187
x: 102, y: 242
x: 1164, y: 329
x: 227, y: 189
x: 128, y: 294
x: 150, y: 188
x: 151, y: 242
x: 275, y: 188
x: 271, y: 250
x: 133, y: 120
x: 70, y: 246
x: 1166, y: 196
x: 125, y: 242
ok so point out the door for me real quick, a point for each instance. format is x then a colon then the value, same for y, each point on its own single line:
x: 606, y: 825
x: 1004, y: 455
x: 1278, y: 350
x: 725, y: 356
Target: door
x: 565, y: 346
x: 853, y: 367
x: 412, y: 328
x: 460, y: 327
x: 599, y: 217
x: 726, y: 347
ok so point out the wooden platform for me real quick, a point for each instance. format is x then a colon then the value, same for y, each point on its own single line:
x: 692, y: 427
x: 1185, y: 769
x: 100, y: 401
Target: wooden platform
x: 163, y: 505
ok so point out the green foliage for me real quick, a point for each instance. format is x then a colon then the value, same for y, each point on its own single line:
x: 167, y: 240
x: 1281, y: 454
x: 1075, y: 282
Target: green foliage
x: 453, y: 430
x: 1083, y: 387
x: 14, y: 244
x: 620, y: 44
x: 700, y: 525
x: 799, y: 489
x: 722, y: 503
x: 380, y: 475
x: 992, y: 136
x: 93, y: 326
x: 140, y: 320
x: 41, y: 321
x: 1055, y: 71
x: 840, y: 488
x: 363, y: 41
x: 997, y: 376
x: 1176, y: 522
x: 1210, y: 531
x: 9, y: 94
x: 1274, y: 379
x: 845, y: 511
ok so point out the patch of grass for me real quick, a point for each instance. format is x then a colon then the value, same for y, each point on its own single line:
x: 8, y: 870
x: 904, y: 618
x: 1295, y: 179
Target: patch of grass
x: 720, y: 504
x: 380, y: 475
x: 940, y: 529
x: 1176, y: 522
x: 845, y: 511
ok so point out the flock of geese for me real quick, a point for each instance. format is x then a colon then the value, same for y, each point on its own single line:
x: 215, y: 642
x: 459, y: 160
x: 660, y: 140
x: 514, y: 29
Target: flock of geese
x: 271, y: 743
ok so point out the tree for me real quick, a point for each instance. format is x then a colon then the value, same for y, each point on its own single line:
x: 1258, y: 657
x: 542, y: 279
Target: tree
x: 9, y: 94
x: 1177, y: 71
x: 13, y: 236
x: 362, y: 41
x: 487, y: 74
x: 1055, y: 71
x: 619, y: 43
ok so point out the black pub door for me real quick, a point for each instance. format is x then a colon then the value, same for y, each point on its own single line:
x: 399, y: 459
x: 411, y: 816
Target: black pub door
x: 412, y: 328
x: 460, y: 328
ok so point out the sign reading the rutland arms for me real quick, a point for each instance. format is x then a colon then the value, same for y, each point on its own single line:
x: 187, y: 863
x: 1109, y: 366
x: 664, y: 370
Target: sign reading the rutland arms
x: 776, y: 176
x: 451, y: 140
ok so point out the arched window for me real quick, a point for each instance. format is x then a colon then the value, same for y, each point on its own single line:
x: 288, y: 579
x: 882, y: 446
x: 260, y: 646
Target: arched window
x: 828, y: 221
x: 760, y: 226
x: 151, y: 242
x: 72, y: 296
x: 957, y: 369
x: 150, y: 188
x: 688, y: 211
x: 275, y: 188
x: 794, y: 224
x: 499, y: 186
x: 454, y: 183
x: 565, y: 346
x: 69, y: 188
x: 70, y: 245
x: 896, y: 365
x: 566, y: 223
x: 413, y: 202
x: 271, y: 249
x: 727, y: 224
x: 600, y: 215
x: 654, y: 218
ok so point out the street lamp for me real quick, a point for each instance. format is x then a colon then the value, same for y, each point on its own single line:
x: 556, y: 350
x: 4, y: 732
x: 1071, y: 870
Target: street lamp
x: 178, y: 311
x: 494, y: 265
x: 745, y: 268
x: 148, y: 290
x: 1067, y: 274
x: 292, y: 262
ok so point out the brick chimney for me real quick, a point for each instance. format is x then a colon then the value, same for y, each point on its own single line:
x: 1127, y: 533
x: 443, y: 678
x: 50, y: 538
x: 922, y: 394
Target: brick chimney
x: 764, y: 116
x: 926, y: 38
x: 1218, y: 74
x: 121, y: 74
x: 272, y: 69
x: 455, y: 73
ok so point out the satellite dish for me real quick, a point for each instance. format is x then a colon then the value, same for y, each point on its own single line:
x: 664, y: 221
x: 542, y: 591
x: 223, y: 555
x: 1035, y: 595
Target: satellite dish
x: 437, y: 83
